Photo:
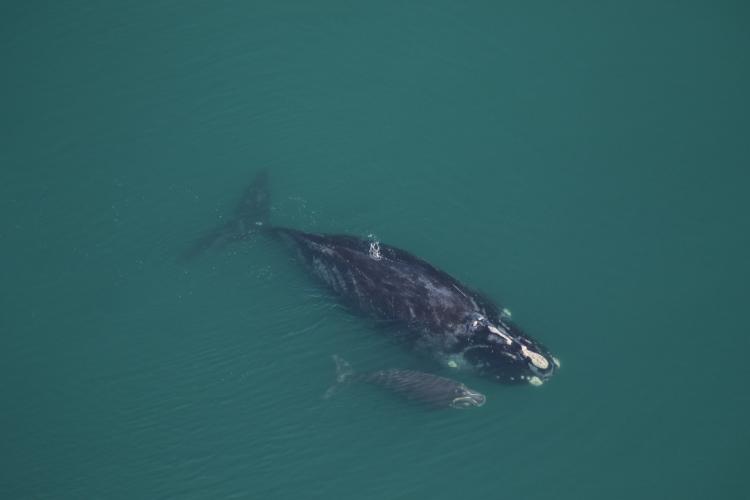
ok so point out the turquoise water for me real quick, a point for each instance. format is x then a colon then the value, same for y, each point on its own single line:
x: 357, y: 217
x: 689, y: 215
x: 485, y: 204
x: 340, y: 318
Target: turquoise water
x: 585, y: 163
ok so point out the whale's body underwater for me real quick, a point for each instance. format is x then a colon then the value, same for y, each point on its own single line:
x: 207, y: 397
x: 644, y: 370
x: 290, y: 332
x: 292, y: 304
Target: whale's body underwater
x: 442, y: 317
x: 424, y: 388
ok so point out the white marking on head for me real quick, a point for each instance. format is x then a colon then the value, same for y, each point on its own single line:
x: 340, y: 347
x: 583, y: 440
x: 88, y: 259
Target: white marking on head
x: 496, y: 331
x: 556, y: 361
x: 536, y: 359
x: 535, y: 381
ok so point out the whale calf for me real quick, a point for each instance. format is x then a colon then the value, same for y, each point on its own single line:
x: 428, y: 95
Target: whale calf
x: 425, y: 388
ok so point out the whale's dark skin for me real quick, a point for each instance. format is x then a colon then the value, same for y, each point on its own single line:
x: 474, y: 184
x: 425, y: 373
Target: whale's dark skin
x: 443, y: 317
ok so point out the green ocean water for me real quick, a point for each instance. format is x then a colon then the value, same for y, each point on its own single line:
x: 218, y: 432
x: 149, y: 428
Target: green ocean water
x: 584, y: 163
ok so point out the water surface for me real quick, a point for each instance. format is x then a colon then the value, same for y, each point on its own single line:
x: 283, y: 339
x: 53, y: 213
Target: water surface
x: 584, y: 163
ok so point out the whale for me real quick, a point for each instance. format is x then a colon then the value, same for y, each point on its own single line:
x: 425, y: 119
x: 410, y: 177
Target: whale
x: 428, y: 310
x: 427, y: 389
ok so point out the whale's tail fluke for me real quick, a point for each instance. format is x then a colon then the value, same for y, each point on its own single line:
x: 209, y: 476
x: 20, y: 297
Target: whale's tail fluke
x: 250, y: 216
x: 344, y: 373
x: 254, y: 207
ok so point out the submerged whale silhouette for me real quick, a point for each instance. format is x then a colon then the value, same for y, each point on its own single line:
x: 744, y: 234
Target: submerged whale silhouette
x: 425, y: 388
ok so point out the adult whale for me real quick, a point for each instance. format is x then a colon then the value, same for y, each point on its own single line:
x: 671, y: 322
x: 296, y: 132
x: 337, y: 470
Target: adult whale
x: 441, y: 316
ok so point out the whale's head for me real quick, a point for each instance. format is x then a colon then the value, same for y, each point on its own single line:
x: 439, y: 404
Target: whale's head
x: 501, y: 351
x: 467, y: 398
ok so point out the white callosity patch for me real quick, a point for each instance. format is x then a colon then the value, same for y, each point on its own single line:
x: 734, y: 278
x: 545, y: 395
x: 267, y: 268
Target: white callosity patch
x: 456, y: 361
x: 535, y: 381
x: 536, y: 359
x: 502, y: 333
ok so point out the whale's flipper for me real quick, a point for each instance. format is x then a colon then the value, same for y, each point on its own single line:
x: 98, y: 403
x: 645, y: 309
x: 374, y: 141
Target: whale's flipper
x: 344, y: 372
x: 249, y: 217
x: 343, y: 369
